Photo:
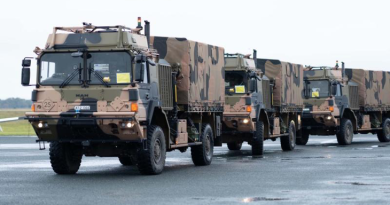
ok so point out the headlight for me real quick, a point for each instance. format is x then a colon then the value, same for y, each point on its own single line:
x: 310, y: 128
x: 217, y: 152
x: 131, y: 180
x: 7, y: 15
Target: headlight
x: 245, y: 121
x: 43, y: 125
x: 128, y: 124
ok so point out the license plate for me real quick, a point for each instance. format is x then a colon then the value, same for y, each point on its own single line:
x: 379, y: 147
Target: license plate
x: 84, y: 107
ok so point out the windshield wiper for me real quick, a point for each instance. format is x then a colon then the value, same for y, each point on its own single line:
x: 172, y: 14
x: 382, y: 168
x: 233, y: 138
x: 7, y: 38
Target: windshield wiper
x: 98, y: 76
x: 71, y: 76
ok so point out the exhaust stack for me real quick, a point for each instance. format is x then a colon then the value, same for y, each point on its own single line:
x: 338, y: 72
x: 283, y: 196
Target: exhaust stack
x: 342, y: 70
x: 255, y: 57
x: 147, y: 31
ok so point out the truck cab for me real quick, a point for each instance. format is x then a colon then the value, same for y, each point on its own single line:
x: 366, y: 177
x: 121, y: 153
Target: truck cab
x: 107, y: 91
x: 327, y: 101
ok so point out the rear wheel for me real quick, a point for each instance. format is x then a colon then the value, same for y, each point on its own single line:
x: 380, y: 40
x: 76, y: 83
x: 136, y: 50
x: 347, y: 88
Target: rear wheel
x: 258, y: 139
x: 151, y: 160
x: 384, y: 134
x: 304, y: 138
x: 345, y: 134
x: 234, y: 145
x: 125, y: 160
x: 288, y: 142
x: 203, y: 154
x: 65, y: 158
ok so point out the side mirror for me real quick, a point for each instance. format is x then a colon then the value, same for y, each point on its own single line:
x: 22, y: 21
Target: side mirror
x: 26, y: 63
x: 139, y: 72
x: 334, y: 89
x: 139, y: 67
x: 252, y: 85
x: 306, y: 89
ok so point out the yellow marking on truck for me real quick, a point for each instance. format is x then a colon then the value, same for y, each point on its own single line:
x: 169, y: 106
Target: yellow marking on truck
x: 123, y: 78
x: 240, y: 88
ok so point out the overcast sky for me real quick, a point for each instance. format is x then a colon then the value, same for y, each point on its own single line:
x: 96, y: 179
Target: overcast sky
x: 307, y: 32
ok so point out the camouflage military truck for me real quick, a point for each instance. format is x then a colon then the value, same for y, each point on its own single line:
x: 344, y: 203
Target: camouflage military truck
x: 263, y: 101
x: 109, y: 91
x: 346, y: 101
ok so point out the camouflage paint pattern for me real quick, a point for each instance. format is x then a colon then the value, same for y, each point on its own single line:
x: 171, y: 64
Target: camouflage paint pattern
x: 200, y: 84
x: 109, y: 106
x: 288, y: 83
x: 373, y: 88
x: 236, y: 104
x: 320, y: 108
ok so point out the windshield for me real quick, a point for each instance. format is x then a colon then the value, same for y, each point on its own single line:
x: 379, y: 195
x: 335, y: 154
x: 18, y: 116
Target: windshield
x: 318, y: 88
x: 236, y: 82
x: 113, y: 67
x: 56, y: 67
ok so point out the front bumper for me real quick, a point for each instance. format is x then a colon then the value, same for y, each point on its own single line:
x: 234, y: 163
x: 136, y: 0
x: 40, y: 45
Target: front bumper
x: 93, y: 126
x: 237, y: 122
x: 324, y: 118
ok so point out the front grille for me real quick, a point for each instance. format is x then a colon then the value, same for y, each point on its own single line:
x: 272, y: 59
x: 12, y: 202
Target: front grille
x: 353, y: 96
x: 266, y: 94
x: 165, y: 86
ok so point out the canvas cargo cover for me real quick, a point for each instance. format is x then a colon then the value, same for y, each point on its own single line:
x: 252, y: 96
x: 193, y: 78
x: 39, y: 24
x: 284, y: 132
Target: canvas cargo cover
x: 288, y: 78
x: 200, y: 84
x: 373, y: 87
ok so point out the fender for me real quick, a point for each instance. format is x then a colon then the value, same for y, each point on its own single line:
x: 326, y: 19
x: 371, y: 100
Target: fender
x: 264, y: 118
x: 347, y: 113
x: 159, y: 118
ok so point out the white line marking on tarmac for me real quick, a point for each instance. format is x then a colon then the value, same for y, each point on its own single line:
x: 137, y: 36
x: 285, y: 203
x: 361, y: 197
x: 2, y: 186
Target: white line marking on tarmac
x: 329, y: 141
x: 21, y: 146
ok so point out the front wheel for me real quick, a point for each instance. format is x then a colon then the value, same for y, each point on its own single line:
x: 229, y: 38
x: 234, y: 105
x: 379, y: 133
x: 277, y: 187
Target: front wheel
x: 203, y: 154
x: 234, y: 145
x: 384, y: 134
x: 345, y: 134
x: 288, y: 142
x: 151, y: 160
x: 258, y: 139
x: 65, y: 158
x: 304, y: 138
x: 125, y: 160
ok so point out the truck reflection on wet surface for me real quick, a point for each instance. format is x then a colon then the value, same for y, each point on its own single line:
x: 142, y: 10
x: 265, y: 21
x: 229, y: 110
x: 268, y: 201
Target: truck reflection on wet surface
x: 320, y: 172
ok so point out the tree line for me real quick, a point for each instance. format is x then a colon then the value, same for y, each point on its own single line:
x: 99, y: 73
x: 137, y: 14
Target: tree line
x: 14, y: 103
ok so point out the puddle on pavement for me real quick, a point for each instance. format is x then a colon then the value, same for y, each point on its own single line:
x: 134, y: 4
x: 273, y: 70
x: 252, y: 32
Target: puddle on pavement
x: 344, y: 198
x: 360, y: 184
x: 254, y: 199
x: 363, y: 148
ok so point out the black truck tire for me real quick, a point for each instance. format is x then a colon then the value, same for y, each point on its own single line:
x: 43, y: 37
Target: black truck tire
x: 288, y: 142
x: 151, y: 161
x: 384, y: 134
x: 203, y: 154
x: 234, y: 145
x: 345, y: 133
x: 304, y: 138
x: 125, y: 160
x: 258, y: 139
x: 65, y: 158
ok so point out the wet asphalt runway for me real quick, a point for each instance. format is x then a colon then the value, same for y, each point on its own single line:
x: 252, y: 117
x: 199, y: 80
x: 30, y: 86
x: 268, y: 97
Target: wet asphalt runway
x: 320, y: 173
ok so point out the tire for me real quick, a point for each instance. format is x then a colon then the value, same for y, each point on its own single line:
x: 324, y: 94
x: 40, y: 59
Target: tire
x: 258, y: 139
x: 303, y: 139
x: 345, y: 133
x: 288, y: 142
x: 65, y: 158
x: 384, y: 134
x: 234, y: 145
x: 151, y: 161
x: 203, y: 154
x: 125, y: 160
